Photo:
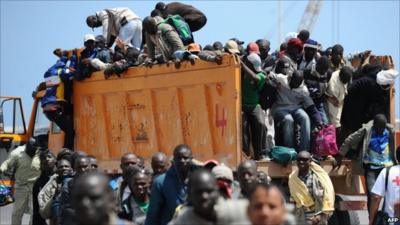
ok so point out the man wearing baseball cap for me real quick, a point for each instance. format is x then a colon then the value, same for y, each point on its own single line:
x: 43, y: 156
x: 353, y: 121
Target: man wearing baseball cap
x: 293, y: 53
x: 231, y: 47
x: 308, y: 60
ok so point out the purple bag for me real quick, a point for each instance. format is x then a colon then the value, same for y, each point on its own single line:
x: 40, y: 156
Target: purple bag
x: 324, y: 141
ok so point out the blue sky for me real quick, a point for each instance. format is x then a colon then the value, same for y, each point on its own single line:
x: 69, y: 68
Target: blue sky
x: 30, y: 30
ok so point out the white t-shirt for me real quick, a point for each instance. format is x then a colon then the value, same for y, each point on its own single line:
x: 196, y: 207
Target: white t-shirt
x: 392, y: 195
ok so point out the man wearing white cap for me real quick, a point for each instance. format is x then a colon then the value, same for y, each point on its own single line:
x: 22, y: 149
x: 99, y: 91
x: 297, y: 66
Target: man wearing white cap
x: 224, y: 176
x: 83, y: 66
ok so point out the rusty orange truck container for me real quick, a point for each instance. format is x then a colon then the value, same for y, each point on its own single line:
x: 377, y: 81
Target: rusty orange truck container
x: 154, y: 109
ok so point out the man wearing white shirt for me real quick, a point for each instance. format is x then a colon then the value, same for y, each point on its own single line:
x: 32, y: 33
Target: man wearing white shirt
x: 392, y: 194
x: 118, y: 22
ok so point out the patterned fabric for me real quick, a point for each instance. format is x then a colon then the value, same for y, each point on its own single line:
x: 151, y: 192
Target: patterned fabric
x: 55, y: 77
x: 378, y: 160
x: 378, y: 143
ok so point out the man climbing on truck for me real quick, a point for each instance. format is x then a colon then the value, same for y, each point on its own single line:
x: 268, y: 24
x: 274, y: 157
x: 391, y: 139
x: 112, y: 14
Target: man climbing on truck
x: 56, y: 101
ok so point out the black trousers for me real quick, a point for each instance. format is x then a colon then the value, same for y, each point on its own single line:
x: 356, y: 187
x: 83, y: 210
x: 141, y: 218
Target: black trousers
x: 254, y: 130
x: 65, y: 122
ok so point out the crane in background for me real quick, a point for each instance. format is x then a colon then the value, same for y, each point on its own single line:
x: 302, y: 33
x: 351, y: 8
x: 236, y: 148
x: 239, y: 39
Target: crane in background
x: 310, y: 15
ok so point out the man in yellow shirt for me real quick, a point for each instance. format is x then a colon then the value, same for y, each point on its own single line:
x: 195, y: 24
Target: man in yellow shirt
x: 25, y: 161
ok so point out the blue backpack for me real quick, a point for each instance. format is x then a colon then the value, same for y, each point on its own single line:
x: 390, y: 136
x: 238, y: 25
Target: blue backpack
x: 6, y: 194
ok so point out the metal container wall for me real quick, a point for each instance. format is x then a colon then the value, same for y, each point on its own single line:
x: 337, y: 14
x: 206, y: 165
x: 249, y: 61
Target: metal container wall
x: 154, y: 109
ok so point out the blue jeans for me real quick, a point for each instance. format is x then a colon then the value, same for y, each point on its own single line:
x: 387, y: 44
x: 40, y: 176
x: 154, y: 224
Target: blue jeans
x: 321, y: 109
x: 131, y: 33
x: 287, y: 119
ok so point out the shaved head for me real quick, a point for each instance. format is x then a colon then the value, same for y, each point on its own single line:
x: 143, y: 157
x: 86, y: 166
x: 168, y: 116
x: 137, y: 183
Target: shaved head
x: 247, y: 175
x: 304, y: 155
x: 92, y: 199
x: 159, y: 163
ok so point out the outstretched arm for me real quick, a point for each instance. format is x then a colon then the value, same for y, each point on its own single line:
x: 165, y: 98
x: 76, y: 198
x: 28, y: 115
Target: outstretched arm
x: 249, y: 73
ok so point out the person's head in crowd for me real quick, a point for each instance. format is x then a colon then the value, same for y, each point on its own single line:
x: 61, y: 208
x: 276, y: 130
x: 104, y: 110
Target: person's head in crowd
x: 47, y: 161
x: 345, y: 74
x: 194, y: 48
x: 159, y: 163
x: 139, y: 184
x: 294, y: 48
x: 93, y: 162
x: 118, y: 54
x: 266, y: 205
x: 282, y: 66
x: 224, y: 176
x: 296, y: 79
x: 328, y: 52
x: 252, y: 47
x: 263, y: 178
x: 132, y: 55
x: 31, y: 147
x: 310, y: 49
x: 322, y: 65
x: 337, y: 54
x: 264, y: 46
x: 247, y: 175
x: 283, y: 47
x: 129, y: 172
x: 304, y: 35
x: 150, y: 25
x: 182, y: 159
x: 239, y: 42
x: 218, y: 46
x: 211, y: 48
x: 128, y: 160
x: 65, y: 153
x: 387, y: 76
x: 89, y: 41
x: 43, y: 141
x: 231, y: 47
x: 63, y: 168
x: 93, y: 21
x: 82, y: 165
x: 93, y: 199
x: 76, y: 155
x: 242, y: 50
x: 303, y: 162
x: 289, y: 36
x: 156, y: 12
x: 255, y: 62
x: 100, y: 41
x: 203, y: 193
x: 380, y: 123
x: 210, y: 164
x: 162, y: 7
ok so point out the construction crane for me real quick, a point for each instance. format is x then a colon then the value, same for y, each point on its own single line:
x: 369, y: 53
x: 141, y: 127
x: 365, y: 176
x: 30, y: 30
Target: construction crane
x: 310, y: 15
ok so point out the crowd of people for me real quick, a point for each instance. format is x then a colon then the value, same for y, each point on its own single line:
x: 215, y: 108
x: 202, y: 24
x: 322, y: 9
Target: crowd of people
x: 300, y: 87
x: 69, y: 188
